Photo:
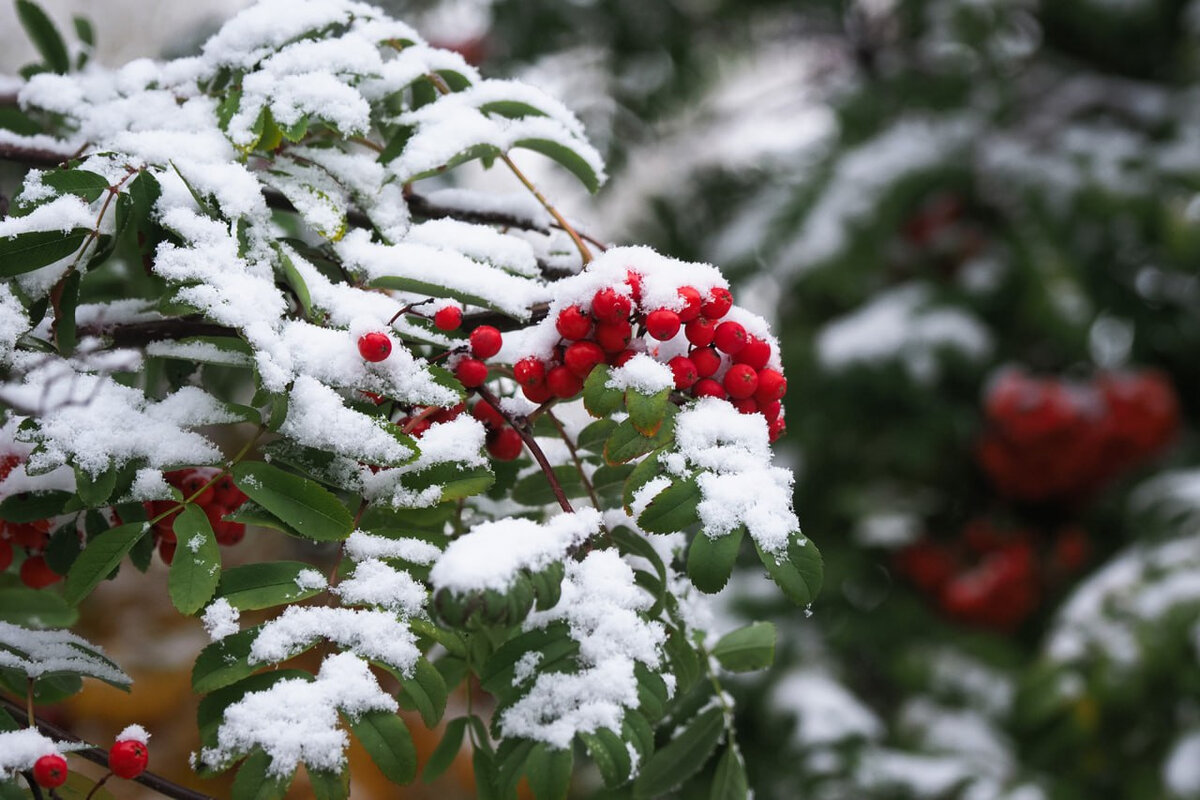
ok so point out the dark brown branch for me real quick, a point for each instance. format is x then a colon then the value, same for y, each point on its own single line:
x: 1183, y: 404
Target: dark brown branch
x: 32, y: 156
x: 521, y: 426
x: 98, y: 756
x: 139, y: 334
x: 562, y: 434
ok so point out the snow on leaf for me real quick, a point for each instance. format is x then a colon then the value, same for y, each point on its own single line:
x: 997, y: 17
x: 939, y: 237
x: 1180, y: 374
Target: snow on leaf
x: 41, y: 653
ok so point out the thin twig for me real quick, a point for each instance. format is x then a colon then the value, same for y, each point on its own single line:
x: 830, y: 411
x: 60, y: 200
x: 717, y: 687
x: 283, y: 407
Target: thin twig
x: 584, y: 252
x: 521, y: 426
x: 562, y: 432
x: 98, y: 756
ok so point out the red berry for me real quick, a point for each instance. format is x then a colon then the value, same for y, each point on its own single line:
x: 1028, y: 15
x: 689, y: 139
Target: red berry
x: 166, y: 550
x: 776, y: 428
x: 707, y: 387
x: 718, y: 303
x: 30, y: 535
x: 194, y: 482
x: 613, y: 337
x: 226, y: 533
x: 685, y: 372
x: 8, y: 463
x: 771, y: 386
x: 572, y: 323
x: 447, y: 318
x: 228, y: 494
x: 563, y: 383
x: 746, y: 405
x: 700, y: 331
x: 635, y: 285
x: 771, y: 410
x: 6, y: 554
x: 691, y: 303
x: 537, y: 394
x: 448, y: 414
x: 740, y: 381
x: 755, y: 354
x: 416, y: 429
x: 471, y: 372
x: 530, y: 371
x: 127, y: 759
x: 374, y: 346
x: 609, y: 305
x: 50, y: 771
x: 706, y: 360
x: 622, y: 358
x: 377, y: 399
x: 36, y: 573
x: 580, y: 357
x: 486, y: 341
x: 504, y: 444
x: 488, y: 415
x: 730, y: 337
x: 662, y: 324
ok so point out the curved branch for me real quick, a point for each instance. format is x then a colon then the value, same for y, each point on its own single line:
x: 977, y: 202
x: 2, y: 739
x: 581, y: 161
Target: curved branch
x: 521, y: 426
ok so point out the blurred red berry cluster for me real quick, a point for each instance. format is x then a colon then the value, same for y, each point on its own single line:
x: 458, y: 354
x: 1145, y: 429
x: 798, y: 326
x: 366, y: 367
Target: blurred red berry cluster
x: 503, y: 441
x: 32, y: 537
x: 216, y: 499
x: 990, y: 577
x: 723, y: 359
x: 1050, y: 439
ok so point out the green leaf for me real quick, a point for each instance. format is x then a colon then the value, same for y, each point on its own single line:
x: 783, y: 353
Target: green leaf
x: 14, y: 120
x: 225, y: 661
x: 64, y: 547
x: 456, y: 480
x: 296, y: 281
x: 730, y: 783
x: 682, y: 757
x: 673, y: 509
x: 87, y: 185
x: 26, y: 252
x: 600, y: 400
x: 627, y: 443
x: 21, y: 605
x: 447, y: 750
x: 549, y: 772
x: 431, y: 288
x: 569, y: 158
x: 652, y: 692
x: 611, y: 757
x: 553, y: 642
x: 329, y: 785
x: 95, y: 491
x: 646, y: 412
x: 253, y: 782
x: 685, y: 662
x: 798, y: 572
x: 44, y: 35
x: 304, y: 505
x: 594, y: 435
x: 33, y: 506
x: 100, y: 558
x: 196, y: 569
x: 609, y: 481
x: 710, y: 561
x: 388, y: 742
x: 535, y: 490
x: 426, y: 692
x: 747, y: 649
x: 64, y: 317
x: 255, y: 586
x: 83, y: 29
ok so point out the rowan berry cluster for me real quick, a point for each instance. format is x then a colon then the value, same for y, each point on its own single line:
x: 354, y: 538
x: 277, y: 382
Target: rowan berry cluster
x: 1050, y: 439
x: 127, y: 758
x: 722, y: 360
x: 32, y: 537
x: 991, y: 577
x: 217, y: 500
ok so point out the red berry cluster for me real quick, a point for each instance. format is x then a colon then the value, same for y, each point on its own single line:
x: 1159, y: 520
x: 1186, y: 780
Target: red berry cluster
x: 989, y: 577
x: 503, y: 441
x: 30, y: 536
x: 485, y: 342
x: 723, y: 360
x: 421, y: 419
x: 222, y: 498
x: 1049, y: 439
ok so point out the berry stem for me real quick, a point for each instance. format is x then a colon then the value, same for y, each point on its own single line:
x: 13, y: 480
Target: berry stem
x: 98, y: 784
x: 521, y: 426
x: 29, y: 702
x: 34, y: 789
x: 587, y: 484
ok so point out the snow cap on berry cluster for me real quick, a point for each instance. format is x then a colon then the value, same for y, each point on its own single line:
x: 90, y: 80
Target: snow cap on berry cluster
x: 19, y: 750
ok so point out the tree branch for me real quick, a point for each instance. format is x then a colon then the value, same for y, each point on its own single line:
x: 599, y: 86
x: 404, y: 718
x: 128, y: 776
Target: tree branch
x: 98, y: 756
x: 140, y: 334
x: 521, y: 426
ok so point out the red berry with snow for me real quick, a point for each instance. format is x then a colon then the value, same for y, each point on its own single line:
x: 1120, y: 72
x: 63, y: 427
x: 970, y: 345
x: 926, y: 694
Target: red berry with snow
x: 691, y: 303
x: 447, y: 318
x: 50, y: 771
x: 486, y: 341
x: 622, y: 358
x: 537, y: 394
x: 730, y: 337
x: 530, y: 371
x: 374, y: 346
x: 504, y: 444
x: 488, y: 415
x: 573, y: 323
x: 662, y: 324
x: 776, y: 428
x: 471, y: 372
x: 36, y: 573
x: 127, y: 758
x: 613, y: 337
x: 719, y: 301
x: 746, y: 405
x: 684, y: 371
x: 563, y: 383
x: 707, y: 387
x: 700, y: 331
x: 706, y: 360
x: 30, y: 535
x: 771, y: 410
x: 741, y: 381
x: 634, y: 280
x: 609, y: 305
x: 580, y: 357
x: 772, y: 386
x: 755, y: 354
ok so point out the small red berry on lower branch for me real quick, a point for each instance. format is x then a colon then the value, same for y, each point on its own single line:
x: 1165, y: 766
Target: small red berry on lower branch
x: 684, y: 371
x: 374, y: 346
x: 128, y: 758
x: 707, y: 387
x: 488, y: 415
x: 50, y: 771
x: 530, y: 371
x: 573, y: 323
x: 581, y: 357
x: 504, y: 444
x: 662, y: 324
x: 486, y: 341
x: 563, y: 383
x: 36, y: 573
x: 741, y: 381
x: 447, y: 318
x: 6, y: 554
x: 772, y: 386
x: 471, y: 372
